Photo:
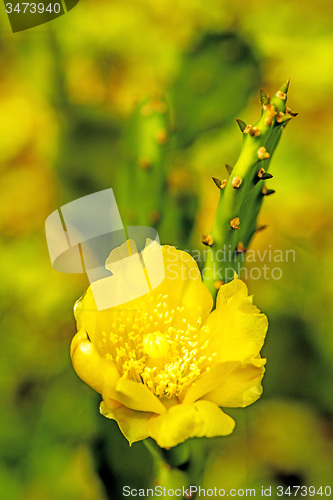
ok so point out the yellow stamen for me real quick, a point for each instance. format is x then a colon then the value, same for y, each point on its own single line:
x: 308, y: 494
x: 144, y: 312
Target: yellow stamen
x: 158, y: 347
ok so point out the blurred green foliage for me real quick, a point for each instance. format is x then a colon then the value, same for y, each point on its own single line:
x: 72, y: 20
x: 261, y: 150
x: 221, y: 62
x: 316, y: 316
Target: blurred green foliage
x: 69, y: 101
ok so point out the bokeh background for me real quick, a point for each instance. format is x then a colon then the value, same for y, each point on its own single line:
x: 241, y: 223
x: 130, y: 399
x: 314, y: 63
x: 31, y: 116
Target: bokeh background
x: 72, y: 123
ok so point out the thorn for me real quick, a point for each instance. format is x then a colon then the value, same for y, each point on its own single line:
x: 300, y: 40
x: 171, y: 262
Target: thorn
x: 217, y: 182
x: 220, y: 184
x: 291, y: 112
x: 262, y: 153
x: 218, y: 284
x: 266, y: 176
x: 161, y: 137
x: 262, y: 175
x: 234, y: 223
x: 261, y: 228
x: 261, y: 172
x: 207, y: 240
x: 236, y: 182
x: 229, y: 168
x: 144, y: 163
x: 264, y: 98
x: 284, y: 88
x: 285, y: 119
x: 241, y: 124
x: 241, y: 248
x: 154, y: 216
x: 267, y: 192
x: 259, y: 175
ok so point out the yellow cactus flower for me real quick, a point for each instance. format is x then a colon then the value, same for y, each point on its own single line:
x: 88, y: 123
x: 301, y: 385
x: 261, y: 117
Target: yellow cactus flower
x: 164, y: 363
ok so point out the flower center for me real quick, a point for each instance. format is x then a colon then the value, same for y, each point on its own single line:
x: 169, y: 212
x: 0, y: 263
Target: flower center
x: 157, y: 346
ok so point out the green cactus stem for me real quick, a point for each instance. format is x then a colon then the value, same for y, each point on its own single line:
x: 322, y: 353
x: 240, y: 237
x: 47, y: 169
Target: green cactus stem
x: 143, y: 180
x: 241, y: 195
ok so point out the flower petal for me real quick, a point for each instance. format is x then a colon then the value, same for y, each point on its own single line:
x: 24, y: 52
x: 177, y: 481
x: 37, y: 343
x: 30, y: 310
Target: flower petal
x: 236, y: 291
x: 175, y: 426
x: 216, y: 422
x: 185, y: 421
x: 184, y: 284
x: 89, y: 319
x: 181, y: 287
x: 241, y: 387
x: 138, y: 397
x: 92, y: 368
x: 133, y: 424
x: 207, y: 382
x: 236, y: 329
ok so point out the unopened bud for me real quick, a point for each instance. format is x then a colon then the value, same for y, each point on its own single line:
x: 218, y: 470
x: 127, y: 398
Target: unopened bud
x: 281, y: 95
x: 263, y: 154
x: 234, y: 223
x: 147, y: 109
x: 271, y: 111
x: 236, y: 182
x: 161, y: 137
x: 279, y: 117
x: 154, y: 216
x: 241, y: 248
x: 144, y: 163
x: 255, y: 132
x: 207, y: 240
x: 261, y: 172
x: 291, y: 112
x: 220, y: 184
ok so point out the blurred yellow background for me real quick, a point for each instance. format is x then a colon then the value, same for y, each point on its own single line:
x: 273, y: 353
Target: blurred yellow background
x: 68, y: 92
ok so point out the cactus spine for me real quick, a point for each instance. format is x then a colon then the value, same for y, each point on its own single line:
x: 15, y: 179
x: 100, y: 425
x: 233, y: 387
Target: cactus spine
x: 241, y: 196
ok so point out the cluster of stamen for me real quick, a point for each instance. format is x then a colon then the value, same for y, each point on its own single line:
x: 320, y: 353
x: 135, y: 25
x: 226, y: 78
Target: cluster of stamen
x: 158, y: 347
